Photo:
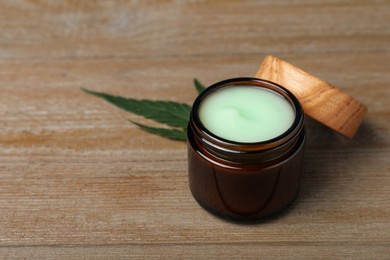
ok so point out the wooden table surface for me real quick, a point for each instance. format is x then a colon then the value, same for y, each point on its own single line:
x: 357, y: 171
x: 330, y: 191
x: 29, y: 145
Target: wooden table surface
x: 77, y: 180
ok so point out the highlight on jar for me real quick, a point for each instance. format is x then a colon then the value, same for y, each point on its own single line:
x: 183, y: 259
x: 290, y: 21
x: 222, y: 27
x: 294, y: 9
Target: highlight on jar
x: 246, y: 139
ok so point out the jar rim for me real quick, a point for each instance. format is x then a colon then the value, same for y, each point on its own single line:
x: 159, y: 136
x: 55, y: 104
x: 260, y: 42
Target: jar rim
x: 212, y: 138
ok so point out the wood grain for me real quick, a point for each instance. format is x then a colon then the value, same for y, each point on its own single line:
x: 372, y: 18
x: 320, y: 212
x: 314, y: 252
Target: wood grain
x: 79, y: 181
x: 320, y: 100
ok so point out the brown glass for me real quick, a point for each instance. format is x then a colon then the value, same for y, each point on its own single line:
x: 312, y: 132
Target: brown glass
x: 245, y: 181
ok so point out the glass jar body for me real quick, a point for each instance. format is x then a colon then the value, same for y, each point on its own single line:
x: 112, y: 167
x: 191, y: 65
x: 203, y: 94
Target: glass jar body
x: 243, y: 181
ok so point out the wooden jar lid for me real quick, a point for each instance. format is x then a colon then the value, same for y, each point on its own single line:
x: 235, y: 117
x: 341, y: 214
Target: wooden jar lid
x: 320, y: 100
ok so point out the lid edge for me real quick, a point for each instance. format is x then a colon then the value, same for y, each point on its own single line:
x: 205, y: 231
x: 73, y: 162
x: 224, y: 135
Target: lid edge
x: 319, y: 99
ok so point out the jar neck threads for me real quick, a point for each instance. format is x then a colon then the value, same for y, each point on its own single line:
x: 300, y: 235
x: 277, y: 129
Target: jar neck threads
x: 247, y: 153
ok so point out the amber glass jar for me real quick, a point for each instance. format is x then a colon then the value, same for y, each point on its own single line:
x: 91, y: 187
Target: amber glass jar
x: 245, y: 181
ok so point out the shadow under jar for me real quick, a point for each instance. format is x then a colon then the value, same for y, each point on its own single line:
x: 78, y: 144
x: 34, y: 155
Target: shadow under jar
x: 245, y: 180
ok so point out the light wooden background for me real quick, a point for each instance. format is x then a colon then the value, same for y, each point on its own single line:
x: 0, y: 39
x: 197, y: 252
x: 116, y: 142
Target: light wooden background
x: 77, y: 180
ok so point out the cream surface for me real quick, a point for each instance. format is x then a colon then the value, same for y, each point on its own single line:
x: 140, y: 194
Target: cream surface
x: 246, y: 114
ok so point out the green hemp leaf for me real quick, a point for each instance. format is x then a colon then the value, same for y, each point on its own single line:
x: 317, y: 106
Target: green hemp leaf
x: 199, y: 86
x: 172, y: 114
